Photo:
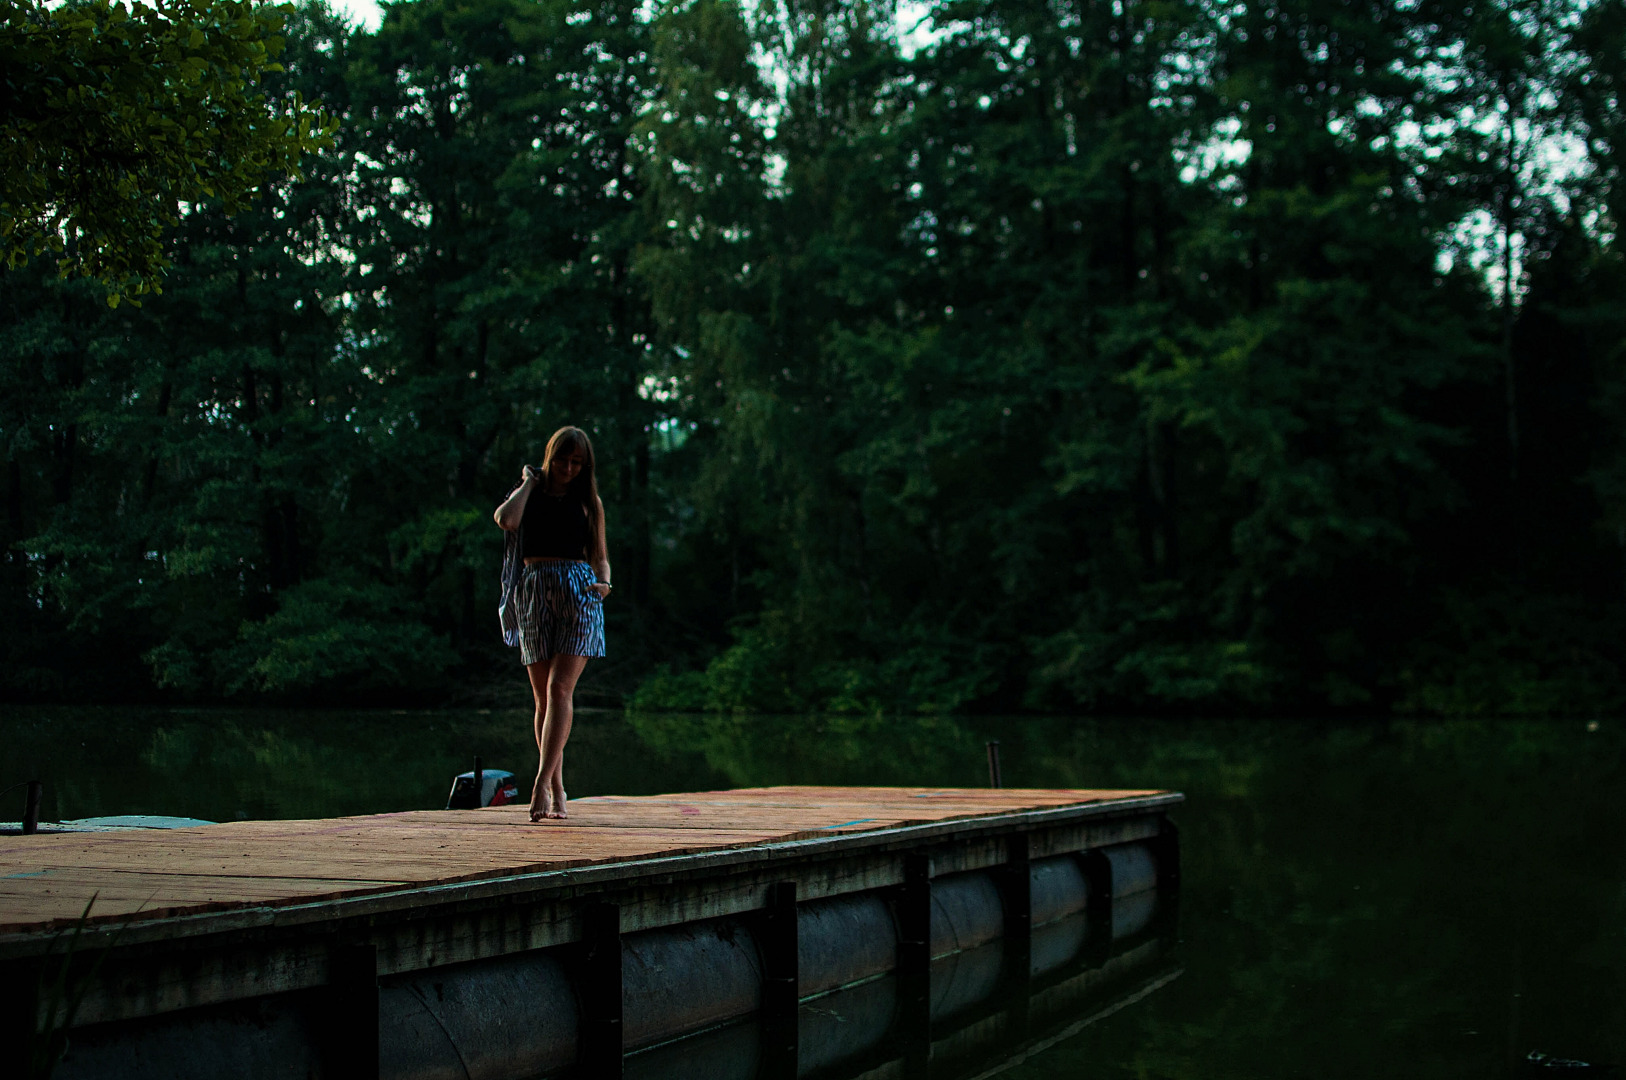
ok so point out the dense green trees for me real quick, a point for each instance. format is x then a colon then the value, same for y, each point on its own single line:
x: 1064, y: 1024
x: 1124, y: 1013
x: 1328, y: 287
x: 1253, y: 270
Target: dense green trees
x: 1108, y: 356
x: 1123, y: 354
x: 114, y: 118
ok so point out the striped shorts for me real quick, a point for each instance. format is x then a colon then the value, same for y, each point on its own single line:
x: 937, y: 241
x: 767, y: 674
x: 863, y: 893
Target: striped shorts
x: 558, y: 614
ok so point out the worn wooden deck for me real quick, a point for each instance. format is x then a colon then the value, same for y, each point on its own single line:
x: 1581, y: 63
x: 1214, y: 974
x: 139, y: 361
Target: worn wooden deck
x: 46, y: 880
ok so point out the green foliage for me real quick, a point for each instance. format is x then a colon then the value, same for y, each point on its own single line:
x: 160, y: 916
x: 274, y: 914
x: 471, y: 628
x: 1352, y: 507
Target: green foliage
x: 1510, y: 653
x: 331, y: 634
x: 115, y: 118
x: 313, y: 422
x: 1114, y: 347
x: 1140, y: 355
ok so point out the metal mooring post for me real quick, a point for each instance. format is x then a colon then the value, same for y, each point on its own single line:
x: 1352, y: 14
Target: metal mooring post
x: 915, y: 916
x: 1017, y: 882
x: 1167, y: 846
x: 914, y: 912
x: 31, y: 808
x: 993, y: 764
x: 601, y: 1029
x: 1098, y: 903
x: 20, y: 1007
x: 1015, y: 879
x: 352, y: 1010
x: 781, y: 983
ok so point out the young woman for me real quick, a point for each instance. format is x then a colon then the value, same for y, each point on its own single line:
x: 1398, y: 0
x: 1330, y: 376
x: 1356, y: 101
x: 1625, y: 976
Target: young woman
x: 556, y: 574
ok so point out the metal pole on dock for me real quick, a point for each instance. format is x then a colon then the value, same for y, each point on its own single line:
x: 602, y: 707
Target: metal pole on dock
x: 778, y: 945
x: 993, y: 764
x: 31, y: 809
x: 602, y: 1043
x: 479, y: 784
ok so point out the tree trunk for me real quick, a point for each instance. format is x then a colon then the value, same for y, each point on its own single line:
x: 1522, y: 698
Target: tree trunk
x: 150, y: 481
x: 64, y: 444
x: 14, y: 498
x: 643, y: 568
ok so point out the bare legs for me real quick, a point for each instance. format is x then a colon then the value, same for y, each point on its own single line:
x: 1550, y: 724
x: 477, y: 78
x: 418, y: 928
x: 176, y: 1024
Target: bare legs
x: 541, y: 802
x: 553, y: 682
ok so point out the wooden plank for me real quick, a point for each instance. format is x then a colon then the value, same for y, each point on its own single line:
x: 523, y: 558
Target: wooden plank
x: 270, y: 862
x: 230, y: 855
x: 61, y: 894
x: 58, y: 876
x: 122, y: 887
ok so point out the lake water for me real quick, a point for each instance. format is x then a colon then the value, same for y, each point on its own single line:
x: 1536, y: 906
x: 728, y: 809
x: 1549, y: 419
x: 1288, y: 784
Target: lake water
x: 1359, y: 899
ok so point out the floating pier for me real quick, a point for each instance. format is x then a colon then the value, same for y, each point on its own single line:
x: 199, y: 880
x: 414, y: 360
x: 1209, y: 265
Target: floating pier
x: 712, y: 934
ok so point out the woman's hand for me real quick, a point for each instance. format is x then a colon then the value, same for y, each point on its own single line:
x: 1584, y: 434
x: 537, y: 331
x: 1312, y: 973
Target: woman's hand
x: 602, y: 588
x: 529, y: 475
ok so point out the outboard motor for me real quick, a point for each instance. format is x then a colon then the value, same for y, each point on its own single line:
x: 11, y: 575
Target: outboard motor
x: 482, y: 787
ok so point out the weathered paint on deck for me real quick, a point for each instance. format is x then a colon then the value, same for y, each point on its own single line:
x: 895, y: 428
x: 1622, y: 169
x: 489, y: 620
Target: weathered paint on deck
x: 159, y: 875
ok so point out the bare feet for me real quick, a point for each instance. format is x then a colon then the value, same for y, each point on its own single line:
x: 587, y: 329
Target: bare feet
x: 541, y: 801
x: 558, y: 809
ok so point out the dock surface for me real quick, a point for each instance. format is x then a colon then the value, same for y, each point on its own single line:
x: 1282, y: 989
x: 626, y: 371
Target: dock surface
x: 140, y: 875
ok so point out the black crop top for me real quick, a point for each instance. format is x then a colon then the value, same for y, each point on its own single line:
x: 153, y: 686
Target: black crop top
x: 555, y: 527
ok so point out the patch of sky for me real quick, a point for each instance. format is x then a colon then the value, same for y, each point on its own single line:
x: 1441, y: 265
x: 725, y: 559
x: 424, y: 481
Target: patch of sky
x: 1223, y: 150
x: 368, y: 14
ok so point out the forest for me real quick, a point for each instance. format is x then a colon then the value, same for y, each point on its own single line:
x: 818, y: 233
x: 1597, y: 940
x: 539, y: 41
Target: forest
x: 1075, y: 356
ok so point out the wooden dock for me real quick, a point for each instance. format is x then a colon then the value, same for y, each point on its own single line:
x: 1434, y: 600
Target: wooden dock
x: 191, y: 918
x: 145, y: 875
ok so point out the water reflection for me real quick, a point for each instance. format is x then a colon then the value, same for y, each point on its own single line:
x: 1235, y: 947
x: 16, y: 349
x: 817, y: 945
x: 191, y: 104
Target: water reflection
x: 228, y: 765
x: 1355, y: 894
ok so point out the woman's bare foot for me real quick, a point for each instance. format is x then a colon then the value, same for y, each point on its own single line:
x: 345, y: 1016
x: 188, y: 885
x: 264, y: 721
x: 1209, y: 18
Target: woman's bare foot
x: 558, y: 810
x: 541, y: 801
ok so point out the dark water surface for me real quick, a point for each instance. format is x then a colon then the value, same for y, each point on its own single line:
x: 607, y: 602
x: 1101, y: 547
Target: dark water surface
x: 1385, y: 899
